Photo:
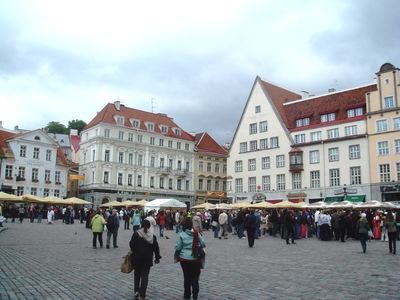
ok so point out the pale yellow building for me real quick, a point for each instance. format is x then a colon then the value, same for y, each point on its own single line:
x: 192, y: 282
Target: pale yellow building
x: 383, y: 126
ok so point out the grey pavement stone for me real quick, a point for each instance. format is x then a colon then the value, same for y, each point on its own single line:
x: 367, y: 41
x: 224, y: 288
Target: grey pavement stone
x: 41, y: 261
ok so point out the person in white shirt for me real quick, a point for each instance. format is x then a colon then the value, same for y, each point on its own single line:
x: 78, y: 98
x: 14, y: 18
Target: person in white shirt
x: 50, y: 215
x: 223, y: 223
x: 317, y: 228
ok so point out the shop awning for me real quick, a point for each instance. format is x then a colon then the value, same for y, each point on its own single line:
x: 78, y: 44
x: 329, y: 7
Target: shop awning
x: 355, y: 198
x: 334, y: 199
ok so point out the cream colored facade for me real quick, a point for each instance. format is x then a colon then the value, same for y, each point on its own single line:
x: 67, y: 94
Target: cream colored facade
x: 210, y: 178
x: 383, y: 125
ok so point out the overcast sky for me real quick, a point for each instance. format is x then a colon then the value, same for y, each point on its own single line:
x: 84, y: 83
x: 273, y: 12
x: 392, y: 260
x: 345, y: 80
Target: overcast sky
x: 197, y: 60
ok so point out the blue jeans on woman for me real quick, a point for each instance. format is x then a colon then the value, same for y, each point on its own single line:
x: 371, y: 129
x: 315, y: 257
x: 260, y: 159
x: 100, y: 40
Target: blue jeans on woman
x: 363, y: 239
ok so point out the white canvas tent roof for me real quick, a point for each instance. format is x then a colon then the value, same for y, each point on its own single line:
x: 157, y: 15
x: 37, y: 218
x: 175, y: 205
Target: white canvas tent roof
x: 164, y: 203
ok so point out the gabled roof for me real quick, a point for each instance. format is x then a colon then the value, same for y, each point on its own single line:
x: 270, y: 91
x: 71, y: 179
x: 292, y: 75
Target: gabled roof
x: 337, y: 102
x: 4, y: 136
x: 107, y: 114
x: 206, y: 144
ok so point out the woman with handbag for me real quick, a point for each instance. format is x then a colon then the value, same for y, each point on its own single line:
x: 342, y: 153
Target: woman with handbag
x: 143, y: 244
x: 189, y: 252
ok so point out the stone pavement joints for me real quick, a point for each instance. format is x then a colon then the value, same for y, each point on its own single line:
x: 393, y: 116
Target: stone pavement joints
x: 41, y: 261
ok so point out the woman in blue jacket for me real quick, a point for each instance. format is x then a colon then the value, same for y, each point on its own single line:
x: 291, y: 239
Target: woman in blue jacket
x: 188, y: 245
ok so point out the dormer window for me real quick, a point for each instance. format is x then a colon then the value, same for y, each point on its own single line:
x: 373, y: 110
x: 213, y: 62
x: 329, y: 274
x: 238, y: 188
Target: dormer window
x: 150, y: 126
x: 135, y: 123
x: 328, y: 117
x: 119, y: 120
x: 354, y: 112
x: 37, y: 138
x: 177, y: 131
x: 164, y: 129
x: 302, y: 122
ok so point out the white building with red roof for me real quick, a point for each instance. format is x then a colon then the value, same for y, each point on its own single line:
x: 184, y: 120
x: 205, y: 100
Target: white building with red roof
x: 31, y: 162
x: 127, y: 153
x: 300, y: 149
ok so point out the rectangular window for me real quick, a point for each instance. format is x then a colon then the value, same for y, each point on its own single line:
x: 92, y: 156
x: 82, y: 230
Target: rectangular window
x: 161, y: 142
x: 57, y: 177
x: 35, y: 175
x: 383, y: 148
x: 253, y: 128
x: 333, y: 133
x: 47, y: 176
x: 280, y: 182
x: 302, y: 122
x: 121, y: 135
x: 315, y: 136
x: 152, y: 181
x: 22, y: 151
x: 20, y: 190
x: 107, y: 133
x: 252, y: 164
x: 164, y: 129
x: 280, y: 161
x: 130, y: 179
x: 135, y: 123
x: 388, y: 102
x: 381, y: 126
x: 333, y: 154
x: 328, y: 117
x: 119, y: 178
x: 350, y: 130
x: 140, y: 160
x: 152, y: 140
x: 354, y: 152
x: 243, y: 147
x: 170, y: 163
x: 93, y: 155
x: 315, y: 179
x: 239, y: 185
x: 296, y: 181
x: 21, y: 173
x: 56, y: 193
x: 34, y: 191
x: 169, y: 144
x: 252, y: 184
x: 238, y: 166
x: 178, y: 145
x: 258, y: 109
x: 263, y: 144
x: 334, y: 177
x: 354, y: 112
x: 299, y: 138
x: 208, y: 186
x: 161, y: 182
x: 397, y: 146
x: 179, y: 184
x: 170, y: 183
x: 106, y: 177
x: 384, y: 172
x: 36, y: 153
x: 162, y: 162
x: 188, y: 167
x: 274, y: 142
x: 398, y: 171
x: 121, y: 157
x: 46, y: 192
x: 263, y: 126
x: 396, y: 123
x: 139, y: 180
x: 140, y: 138
x: 187, y: 147
x: 217, y: 169
x: 130, y: 137
x: 150, y: 126
x: 217, y: 185
x: 200, y: 184
x: 265, y: 162
x: 266, y: 183
x: 107, y: 155
x: 9, y: 171
x: 208, y: 167
x: 130, y: 158
x: 253, y: 145
x: 152, y: 162
x: 355, y: 175
x: 201, y: 166
x: 314, y: 157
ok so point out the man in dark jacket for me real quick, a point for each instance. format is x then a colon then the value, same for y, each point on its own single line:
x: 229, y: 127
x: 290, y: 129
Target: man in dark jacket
x: 250, y: 225
x: 240, y: 223
x: 289, y: 224
x: 112, y: 228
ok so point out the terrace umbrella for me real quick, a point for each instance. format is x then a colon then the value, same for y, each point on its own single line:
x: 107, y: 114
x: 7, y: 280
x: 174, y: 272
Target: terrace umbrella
x: 9, y: 197
x: 288, y: 204
x: 374, y: 204
x: 131, y: 203
x: 341, y: 204
x: 32, y: 199
x: 223, y: 206
x: 205, y: 205
x: 77, y: 201
x: 317, y: 205
x: 243, y: 204
x: 112, y: 204
x: 262, y: 205
x: 54, y: 200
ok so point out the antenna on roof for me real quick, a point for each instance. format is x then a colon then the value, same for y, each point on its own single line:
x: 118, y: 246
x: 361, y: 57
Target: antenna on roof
x: 153, y: 104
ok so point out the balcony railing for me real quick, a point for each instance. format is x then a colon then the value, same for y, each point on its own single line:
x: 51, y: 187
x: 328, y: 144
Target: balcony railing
x: 296, y: 167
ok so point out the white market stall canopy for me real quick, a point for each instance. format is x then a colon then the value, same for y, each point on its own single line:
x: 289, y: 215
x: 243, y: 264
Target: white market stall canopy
x: 164, y: 203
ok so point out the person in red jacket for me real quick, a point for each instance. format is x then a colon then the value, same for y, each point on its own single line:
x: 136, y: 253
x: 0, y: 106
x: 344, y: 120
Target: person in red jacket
x: 161, y: 219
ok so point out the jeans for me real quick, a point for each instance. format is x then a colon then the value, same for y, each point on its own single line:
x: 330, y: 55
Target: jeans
x: 224, y: 231
x: 141, y: 275
x: 392, y: 242
x: 100, y: 236
x: 162, y: 230
x: 363, y: 240
x: 178, y: 228
x: 136, y: 228
x: 290, y: 233
x: 250, y: 236
x: 126, y: 223
x: 114, y: 234
x: 216, y: 231
x: 191, y: 274
x: 240, y: 229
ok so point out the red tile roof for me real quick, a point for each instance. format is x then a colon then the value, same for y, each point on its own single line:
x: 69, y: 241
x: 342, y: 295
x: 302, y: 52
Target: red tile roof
x: 291, y: 107
x: 106, y: 115
x: 206, y: 144
x: 75, y: 142
x: 4, y: 136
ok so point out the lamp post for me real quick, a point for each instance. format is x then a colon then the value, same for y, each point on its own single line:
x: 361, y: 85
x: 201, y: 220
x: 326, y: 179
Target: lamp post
x: 1, y: 181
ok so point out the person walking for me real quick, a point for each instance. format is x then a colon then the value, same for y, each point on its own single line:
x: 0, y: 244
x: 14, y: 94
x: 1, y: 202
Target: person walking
x: 112, y: 228
x: 362, y: 230
x: 143, y: 245
x: 188, y: 246
x: 289, y: 224
x: 21, y: 213
x: 390, y: 225
x: 197, y: 222
x: 223, y: 223
x: 136, y: 220
x: 97, y: 223
x: 250, y: 225
x: 50, y: 216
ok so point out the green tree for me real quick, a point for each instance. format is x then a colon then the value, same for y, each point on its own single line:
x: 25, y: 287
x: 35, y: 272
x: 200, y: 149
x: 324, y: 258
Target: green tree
x: 76, y: 124
x: 56, y: 127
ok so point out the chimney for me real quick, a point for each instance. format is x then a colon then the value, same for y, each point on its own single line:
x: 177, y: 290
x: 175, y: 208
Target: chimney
x: 73, y: 132
x: 117, y: 105
x: 331, y: 90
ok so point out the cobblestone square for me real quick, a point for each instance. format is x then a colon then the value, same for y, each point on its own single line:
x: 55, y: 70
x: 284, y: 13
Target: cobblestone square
x: 41, y: 261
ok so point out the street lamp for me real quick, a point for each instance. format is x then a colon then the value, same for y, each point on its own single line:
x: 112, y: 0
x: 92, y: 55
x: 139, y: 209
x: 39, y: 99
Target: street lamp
x: 1, y: 162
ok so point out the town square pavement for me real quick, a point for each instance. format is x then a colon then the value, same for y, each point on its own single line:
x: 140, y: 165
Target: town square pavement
x: 41, y: 261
